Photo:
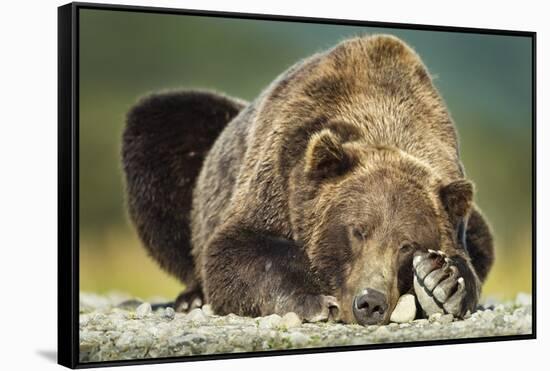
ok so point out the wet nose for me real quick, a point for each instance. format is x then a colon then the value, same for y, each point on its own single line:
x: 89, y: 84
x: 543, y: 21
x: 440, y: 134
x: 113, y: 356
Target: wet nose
x: 369, y: 307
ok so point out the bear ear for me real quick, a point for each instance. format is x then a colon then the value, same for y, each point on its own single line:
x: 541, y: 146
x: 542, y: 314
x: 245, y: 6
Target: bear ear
x: 326, y: 156
x: 457, y: 199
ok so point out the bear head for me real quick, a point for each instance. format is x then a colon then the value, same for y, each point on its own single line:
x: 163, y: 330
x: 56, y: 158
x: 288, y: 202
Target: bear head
x: 364, y: 211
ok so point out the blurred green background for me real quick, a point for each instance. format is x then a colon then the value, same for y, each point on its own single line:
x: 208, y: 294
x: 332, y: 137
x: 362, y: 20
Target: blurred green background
x: 485, y: 80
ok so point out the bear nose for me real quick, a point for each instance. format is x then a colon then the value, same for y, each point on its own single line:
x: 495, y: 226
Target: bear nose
x: 369, y: 307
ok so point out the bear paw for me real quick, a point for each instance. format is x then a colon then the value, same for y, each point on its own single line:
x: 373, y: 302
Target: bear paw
x: 319, y: 308
x: 444, y: 285
x: 188, y: 300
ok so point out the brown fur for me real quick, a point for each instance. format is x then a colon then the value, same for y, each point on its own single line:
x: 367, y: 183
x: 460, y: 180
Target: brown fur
x: 328, y: 182
x: 161, y: 161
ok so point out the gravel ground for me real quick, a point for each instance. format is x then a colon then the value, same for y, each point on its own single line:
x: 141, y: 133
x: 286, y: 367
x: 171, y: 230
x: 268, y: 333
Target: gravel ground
x: 108, y: 332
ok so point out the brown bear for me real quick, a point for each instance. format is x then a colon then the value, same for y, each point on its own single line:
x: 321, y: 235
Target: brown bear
x: 334, y: 192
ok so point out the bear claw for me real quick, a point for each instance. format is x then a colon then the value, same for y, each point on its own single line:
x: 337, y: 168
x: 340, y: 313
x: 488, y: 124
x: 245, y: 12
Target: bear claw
x: 321, y: 308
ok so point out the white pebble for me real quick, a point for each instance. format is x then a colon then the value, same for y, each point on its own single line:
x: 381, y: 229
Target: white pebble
x: 125, y: 340
x: 143, y: 310
x: 270, y: 321
x: 298, y: 339
x: 382, y: 332
x: 169, y: 312
x: 421, y: 322
x: 488, y: 315
x: 405, y: 310
x: 83, y: 320
x: 197, y: 315
x: 291, y: 320
x: 207, y: 309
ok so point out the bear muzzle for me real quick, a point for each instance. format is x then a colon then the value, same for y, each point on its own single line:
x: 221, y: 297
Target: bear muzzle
x: 369, y: 307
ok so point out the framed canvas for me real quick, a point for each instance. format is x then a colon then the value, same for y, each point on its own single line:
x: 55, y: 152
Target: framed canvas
x: 242, y: 185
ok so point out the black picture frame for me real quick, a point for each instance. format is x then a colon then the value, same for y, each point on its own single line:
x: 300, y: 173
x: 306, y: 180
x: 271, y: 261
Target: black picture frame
x: 68, y: 181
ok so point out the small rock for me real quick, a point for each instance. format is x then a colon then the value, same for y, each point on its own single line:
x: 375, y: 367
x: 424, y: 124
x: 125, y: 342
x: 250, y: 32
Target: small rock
x: 232, y: 318
x: 187, y: 340
x: 270, y: 321
x: 446, y: 318
x: 207, y: 309
x: 488, y: 315
x: 434, y: 317
x: 421, y: 322
x: 291, y: 320
x: 90, y: 338
x: 169, y: 313
x: 143, y: 310
x: 382, y: 332
x: 142, y: 340
x: 197, y: 315
x: 405, y: 310
x: 98, y: 318
x: 298, y: 339
x: 119, y: 315
x: 499, y: 320
x: 125, y: 340
x: 83, y: 320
